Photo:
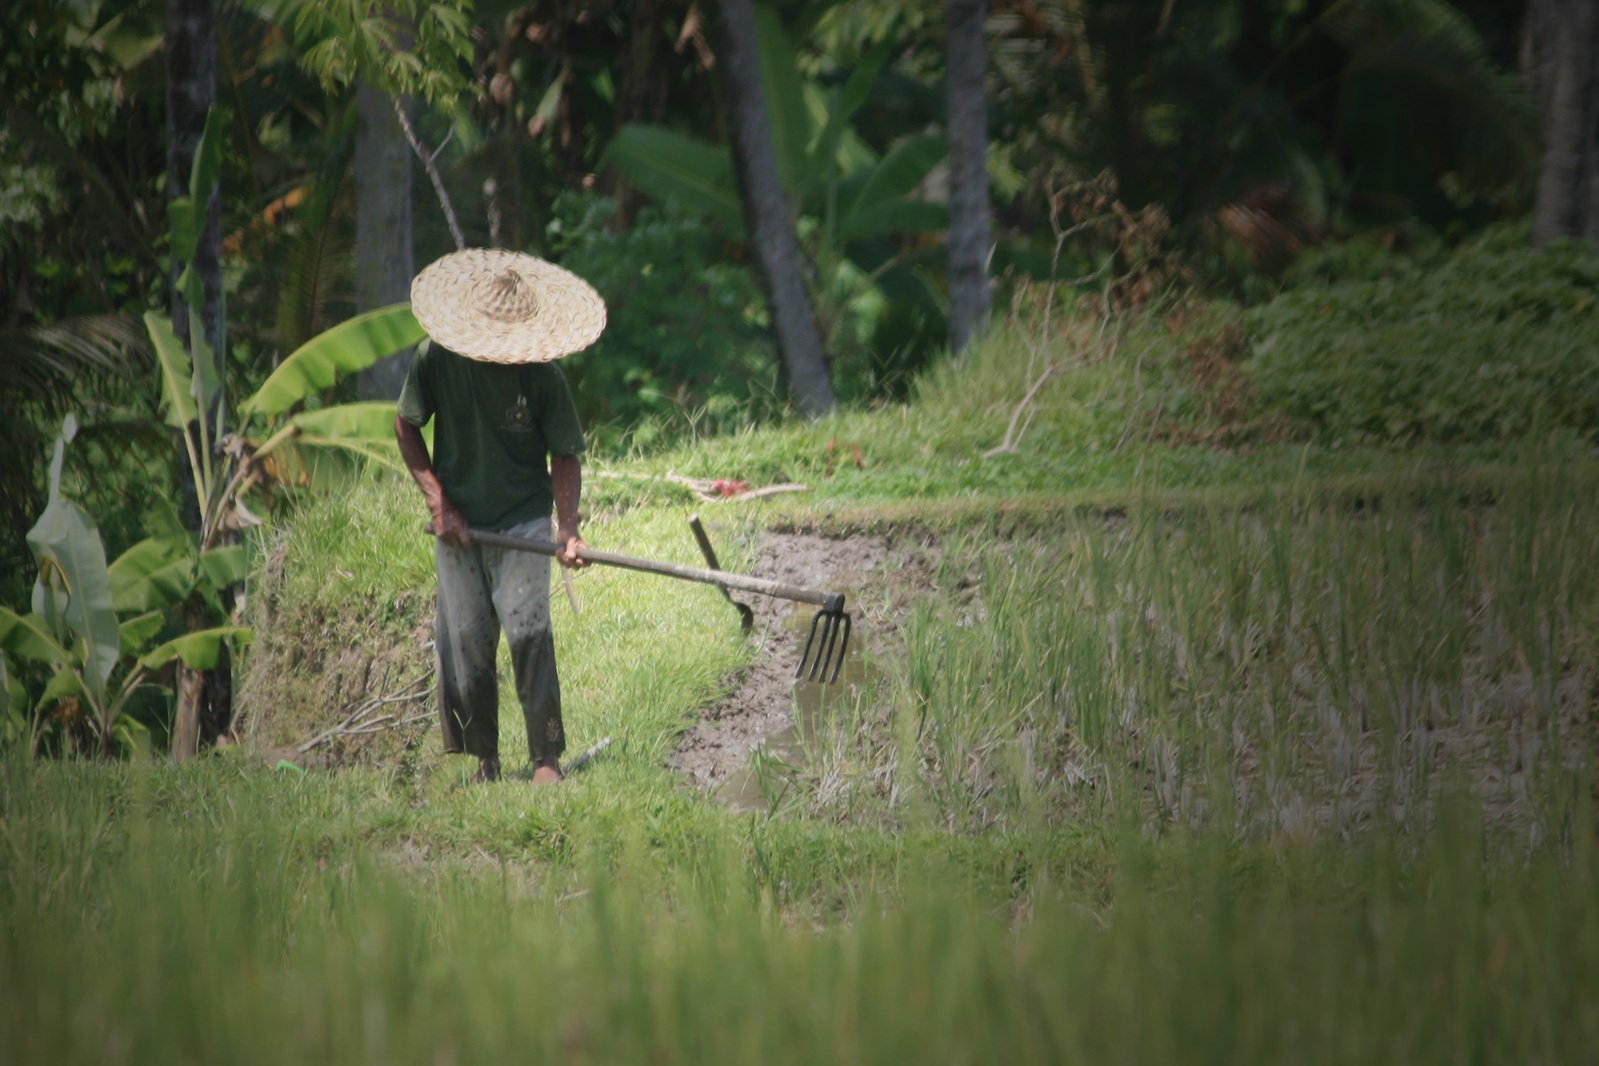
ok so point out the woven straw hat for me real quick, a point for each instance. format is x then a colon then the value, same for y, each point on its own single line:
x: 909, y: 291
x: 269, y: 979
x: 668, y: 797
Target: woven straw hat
x: 506, y: 307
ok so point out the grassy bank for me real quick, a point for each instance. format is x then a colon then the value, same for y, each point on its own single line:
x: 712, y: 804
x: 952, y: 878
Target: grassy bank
x: 1168, y: 751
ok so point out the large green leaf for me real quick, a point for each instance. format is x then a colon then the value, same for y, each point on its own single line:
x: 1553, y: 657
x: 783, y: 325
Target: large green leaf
x: 230, y: 564
x: 900, y: 171
x: 897, y: 216
x: 347, y: 348
x: 154, y: 573
x: 186, y: 214
x: 206, y: 167
x: 206, y: 383
x: 365, y: 429
x: 68, y: 547
x: 667, y: 164
x: 13, y: 697
x: 786, y: 116
x: 138, y: 631
x: 63, y: 683
x: 842, y: 105
x: 176, y: 373
x: 28, y: 637
x: 198, y: 650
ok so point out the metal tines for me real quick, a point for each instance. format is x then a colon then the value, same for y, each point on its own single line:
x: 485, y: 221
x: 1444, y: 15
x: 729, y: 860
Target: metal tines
x: 827, y: 643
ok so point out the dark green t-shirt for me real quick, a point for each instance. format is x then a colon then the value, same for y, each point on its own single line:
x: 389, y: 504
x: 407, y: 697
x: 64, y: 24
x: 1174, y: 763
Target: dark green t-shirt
x: 495, y: 427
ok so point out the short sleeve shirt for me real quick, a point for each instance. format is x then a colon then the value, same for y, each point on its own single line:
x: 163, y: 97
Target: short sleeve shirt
x: 495, y: 426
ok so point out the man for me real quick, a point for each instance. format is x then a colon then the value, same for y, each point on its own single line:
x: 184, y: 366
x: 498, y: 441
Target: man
x: 506, y: 441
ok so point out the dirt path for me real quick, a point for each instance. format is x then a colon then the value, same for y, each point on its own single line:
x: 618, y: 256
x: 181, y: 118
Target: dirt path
x: 762, y: 702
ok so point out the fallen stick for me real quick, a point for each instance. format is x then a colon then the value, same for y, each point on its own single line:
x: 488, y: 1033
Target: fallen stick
x: 708, y: 490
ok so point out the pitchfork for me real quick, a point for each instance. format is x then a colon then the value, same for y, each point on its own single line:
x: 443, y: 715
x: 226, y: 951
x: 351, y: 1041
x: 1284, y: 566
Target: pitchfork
x: 825, y: 646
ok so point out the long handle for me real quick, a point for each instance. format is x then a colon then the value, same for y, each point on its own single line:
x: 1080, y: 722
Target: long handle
x: 743, y: 582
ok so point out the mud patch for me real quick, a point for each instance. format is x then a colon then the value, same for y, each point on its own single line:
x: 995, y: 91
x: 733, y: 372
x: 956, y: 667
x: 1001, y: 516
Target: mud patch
x: 876, y: 574
x: 763, y: 699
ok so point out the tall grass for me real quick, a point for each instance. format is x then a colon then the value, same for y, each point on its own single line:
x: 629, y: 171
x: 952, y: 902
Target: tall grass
x: 257, y: 932
x: 1317, y: 664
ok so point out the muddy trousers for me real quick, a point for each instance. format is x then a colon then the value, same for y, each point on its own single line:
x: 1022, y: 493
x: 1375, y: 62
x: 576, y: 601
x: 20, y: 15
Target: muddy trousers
x: 482, y: 591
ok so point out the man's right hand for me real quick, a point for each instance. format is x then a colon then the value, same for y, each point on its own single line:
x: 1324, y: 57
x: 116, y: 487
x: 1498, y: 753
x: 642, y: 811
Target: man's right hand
x: 450, y: 527
x: 448, y: 524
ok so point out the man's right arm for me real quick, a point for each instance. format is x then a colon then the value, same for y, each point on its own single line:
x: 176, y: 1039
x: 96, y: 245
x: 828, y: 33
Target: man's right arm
x: 448, y: 525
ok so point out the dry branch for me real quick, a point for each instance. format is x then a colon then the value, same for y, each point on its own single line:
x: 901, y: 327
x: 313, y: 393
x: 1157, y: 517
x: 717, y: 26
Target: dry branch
x: 364, y: 719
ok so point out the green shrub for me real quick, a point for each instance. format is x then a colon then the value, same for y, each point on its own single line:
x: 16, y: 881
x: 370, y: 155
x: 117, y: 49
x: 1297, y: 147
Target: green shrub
x: 1490, y: 342
x: 685, y: 350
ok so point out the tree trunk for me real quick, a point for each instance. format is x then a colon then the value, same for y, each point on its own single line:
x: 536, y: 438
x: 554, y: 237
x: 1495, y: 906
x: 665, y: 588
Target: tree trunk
x: 191, y: 54
x: 766, y: 211
x: 384, y: 263
x: 1560, y: 58
x: 191, y: 60
x: 965, y: 75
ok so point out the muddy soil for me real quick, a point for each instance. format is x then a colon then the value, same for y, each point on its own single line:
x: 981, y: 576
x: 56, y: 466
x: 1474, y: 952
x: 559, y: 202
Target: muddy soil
x: 878, y: 576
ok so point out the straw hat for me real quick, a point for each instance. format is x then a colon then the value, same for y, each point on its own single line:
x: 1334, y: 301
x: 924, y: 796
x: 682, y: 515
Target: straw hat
x: 506, y: 307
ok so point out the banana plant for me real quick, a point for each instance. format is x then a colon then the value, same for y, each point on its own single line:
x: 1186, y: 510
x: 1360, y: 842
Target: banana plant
x: 850, y: 198
x: 276, y: 436
x: 94, y: 628
x: 276, y: 439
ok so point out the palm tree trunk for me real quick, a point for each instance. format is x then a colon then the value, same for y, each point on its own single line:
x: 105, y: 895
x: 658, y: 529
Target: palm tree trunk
x: 766, y: 211
x: 191, y: 60
x: 965, y: 72
x: 191, y: 53
x: 1561, y: 60
x: 384, y: 262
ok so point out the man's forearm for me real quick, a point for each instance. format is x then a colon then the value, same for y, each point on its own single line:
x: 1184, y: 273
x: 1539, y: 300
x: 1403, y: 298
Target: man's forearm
x: 566, y: 483
x: 448, y: 525
x: 414, y: 452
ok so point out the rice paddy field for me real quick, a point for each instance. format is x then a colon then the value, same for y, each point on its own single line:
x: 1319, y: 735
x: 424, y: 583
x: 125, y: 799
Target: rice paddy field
x: 1151, y: 751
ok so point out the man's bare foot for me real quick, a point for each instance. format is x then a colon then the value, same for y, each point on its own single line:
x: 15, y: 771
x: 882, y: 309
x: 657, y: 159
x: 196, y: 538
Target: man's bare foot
x: 488, y: 770
x: 547, y: 773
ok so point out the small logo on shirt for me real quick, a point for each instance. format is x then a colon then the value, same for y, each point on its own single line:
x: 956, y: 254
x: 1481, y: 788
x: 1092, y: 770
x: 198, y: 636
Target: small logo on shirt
x: 518, y: 419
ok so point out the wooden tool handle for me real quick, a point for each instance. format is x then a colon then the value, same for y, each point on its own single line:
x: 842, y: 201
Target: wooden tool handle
x: 742, y: 582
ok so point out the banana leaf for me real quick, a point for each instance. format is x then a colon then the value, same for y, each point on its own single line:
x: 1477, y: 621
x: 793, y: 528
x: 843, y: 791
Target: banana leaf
x: 667, y: 164
x: 68, y: 547
x: 225, y: 566
x: 842, y: 107
x: 306, y: 441
x: 896, y: 174
x: 65, y: 682
x: 27, y: 637
x: 186, y: 214
x: 896, y: 216
x: 786, y: 116
x: 138, y: 631
x: 153, y: 573
x: 13, y: 697
x: 177, y: 399
x: 347, y: 348
x: 198, y: 650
